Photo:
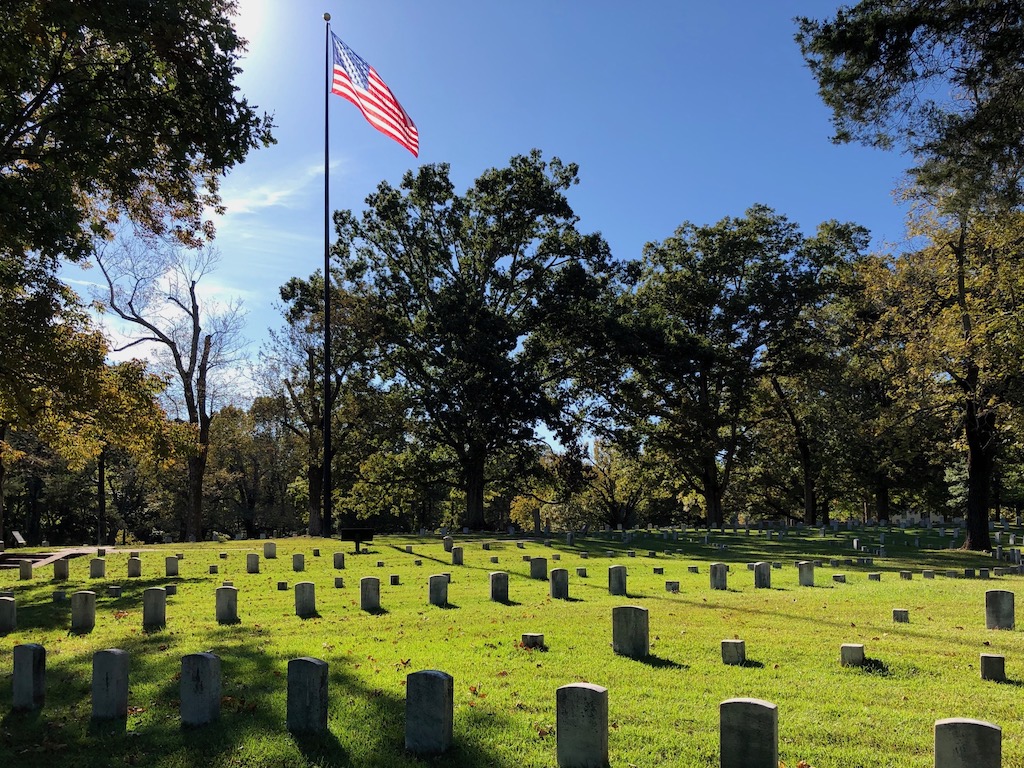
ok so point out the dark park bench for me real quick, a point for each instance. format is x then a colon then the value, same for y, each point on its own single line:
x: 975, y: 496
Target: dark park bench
x: 358, y: 535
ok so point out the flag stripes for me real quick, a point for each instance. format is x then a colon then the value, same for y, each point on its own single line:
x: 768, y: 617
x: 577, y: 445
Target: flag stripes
x: 355, y: 80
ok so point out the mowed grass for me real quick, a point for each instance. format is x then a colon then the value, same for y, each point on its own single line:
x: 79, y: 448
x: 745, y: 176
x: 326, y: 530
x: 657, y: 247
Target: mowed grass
x: 663, y: 710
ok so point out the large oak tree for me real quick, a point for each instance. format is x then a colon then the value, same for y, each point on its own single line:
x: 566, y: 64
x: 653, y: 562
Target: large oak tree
x: 477, y: 298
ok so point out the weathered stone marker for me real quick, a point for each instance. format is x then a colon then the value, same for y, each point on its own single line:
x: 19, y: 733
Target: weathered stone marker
x: 252, y: 563
x: 532, y: 640
x: 438, y: 589
x: 965, y: 743
x: 448, y: 543
x: 851, y: 655
x: 630, y: 631
x: 8, y: 615
x: 298, y: 562
x: 61, y: 569
x: 499, y: 586
x: 762, y: 576
x: 83, y: 611
x: 154, y: 608
x: 213, y: 570
x: 339, y: 582
x: 25, y: 570
x: 369, y: 594
x: 748, y: 733
x: 227, y: 605
x: 305, y: 599
x: 429, y: 711
x: 616, y: 580
x: 559, y: 584
x: 874, y: 577
x: 29, y: 676
x: 999, y: 611
x: 806, y: 571
x: 907, y: 575
x: 457, y: 557
x: 270, y: 550
x: 719, y: 576
x: 97, y: 568
x: 672, y: 586
x: 170, y: 566
x: 901, y: 615
x: 307, y: 695
x: 134, y: 567
x: 993, y: 667
x: 110, y: 686
x: 539, y: 568
x: 581, y: 726
x: 200, y: 689
x: 339, y: 560
x: 734, y: 652
x: 839, y: 578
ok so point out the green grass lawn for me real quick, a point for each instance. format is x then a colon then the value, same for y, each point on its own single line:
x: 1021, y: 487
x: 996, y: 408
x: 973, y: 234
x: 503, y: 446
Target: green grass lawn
x: 662, y: 710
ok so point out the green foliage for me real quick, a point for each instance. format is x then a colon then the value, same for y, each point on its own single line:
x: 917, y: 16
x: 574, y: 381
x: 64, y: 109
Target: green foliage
x: 107, y: 107
x: 940, y: 79
x: 477, y: 298
x: 712, y: 311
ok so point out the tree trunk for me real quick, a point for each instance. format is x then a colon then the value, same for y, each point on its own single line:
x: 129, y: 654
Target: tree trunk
x: 882, y: 506
x: 474, y: 478
x: 315, y: 480
x: 101, y: 497
x: 4, y: 426
x: 712, y: 492
x: 194, y: 516
x: 980, y: 430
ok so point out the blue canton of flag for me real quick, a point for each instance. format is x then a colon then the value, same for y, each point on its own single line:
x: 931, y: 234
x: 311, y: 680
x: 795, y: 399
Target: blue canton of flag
x: 358, y: 70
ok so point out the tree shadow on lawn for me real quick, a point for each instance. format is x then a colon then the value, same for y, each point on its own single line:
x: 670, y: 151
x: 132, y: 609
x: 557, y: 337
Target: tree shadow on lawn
x: 657, y: 662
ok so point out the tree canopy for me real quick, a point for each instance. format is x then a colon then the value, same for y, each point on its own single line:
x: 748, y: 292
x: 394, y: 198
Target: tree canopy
x: 943, y: 80
x: 475, y: 296
x: 107, y: 107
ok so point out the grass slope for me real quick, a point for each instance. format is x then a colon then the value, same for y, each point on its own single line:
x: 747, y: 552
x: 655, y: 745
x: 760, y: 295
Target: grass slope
x: 663, y: 710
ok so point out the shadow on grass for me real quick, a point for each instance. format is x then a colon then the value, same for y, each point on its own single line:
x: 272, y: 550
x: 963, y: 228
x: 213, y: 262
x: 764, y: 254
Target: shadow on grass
x: 22, y: 718
x: 510, y: 603
x: 752, y: 664
x: 657, y: 662
x: 876, y: 667
x: 448, y: 607
x: 320, y: 748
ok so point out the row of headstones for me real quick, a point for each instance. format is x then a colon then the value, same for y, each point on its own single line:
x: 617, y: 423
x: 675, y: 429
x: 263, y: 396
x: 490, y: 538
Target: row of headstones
x: 83, y: 608
x: 748, y: 728
x: 98, y: 568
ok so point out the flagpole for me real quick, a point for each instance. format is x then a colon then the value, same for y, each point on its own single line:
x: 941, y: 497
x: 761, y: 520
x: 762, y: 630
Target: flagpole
x: 325, y: 528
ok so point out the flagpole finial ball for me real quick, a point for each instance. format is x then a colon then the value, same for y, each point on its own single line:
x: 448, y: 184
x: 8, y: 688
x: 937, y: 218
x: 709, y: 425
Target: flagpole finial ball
x: 327, y: 17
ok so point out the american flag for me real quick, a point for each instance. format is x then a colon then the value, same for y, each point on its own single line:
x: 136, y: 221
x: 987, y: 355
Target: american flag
x: 357, y: 81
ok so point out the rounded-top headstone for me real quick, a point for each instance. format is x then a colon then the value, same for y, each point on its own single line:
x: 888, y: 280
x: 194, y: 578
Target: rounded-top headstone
x: 749, y: 733
x: 429, y: 707
x: 307, y: 695
x: 29, y: 686
x: 200, y: 689
x: 999, y: 610
x: 631, y: 631
x: 8, y: 615
x: 581, y: 726
x: 227, y: 605
x: 966, y: 743
x: 499, y: 586
x: 616, y: 580
x: 110, y: 684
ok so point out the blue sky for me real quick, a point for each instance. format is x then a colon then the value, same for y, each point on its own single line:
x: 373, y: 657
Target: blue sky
x: 675, y: 110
